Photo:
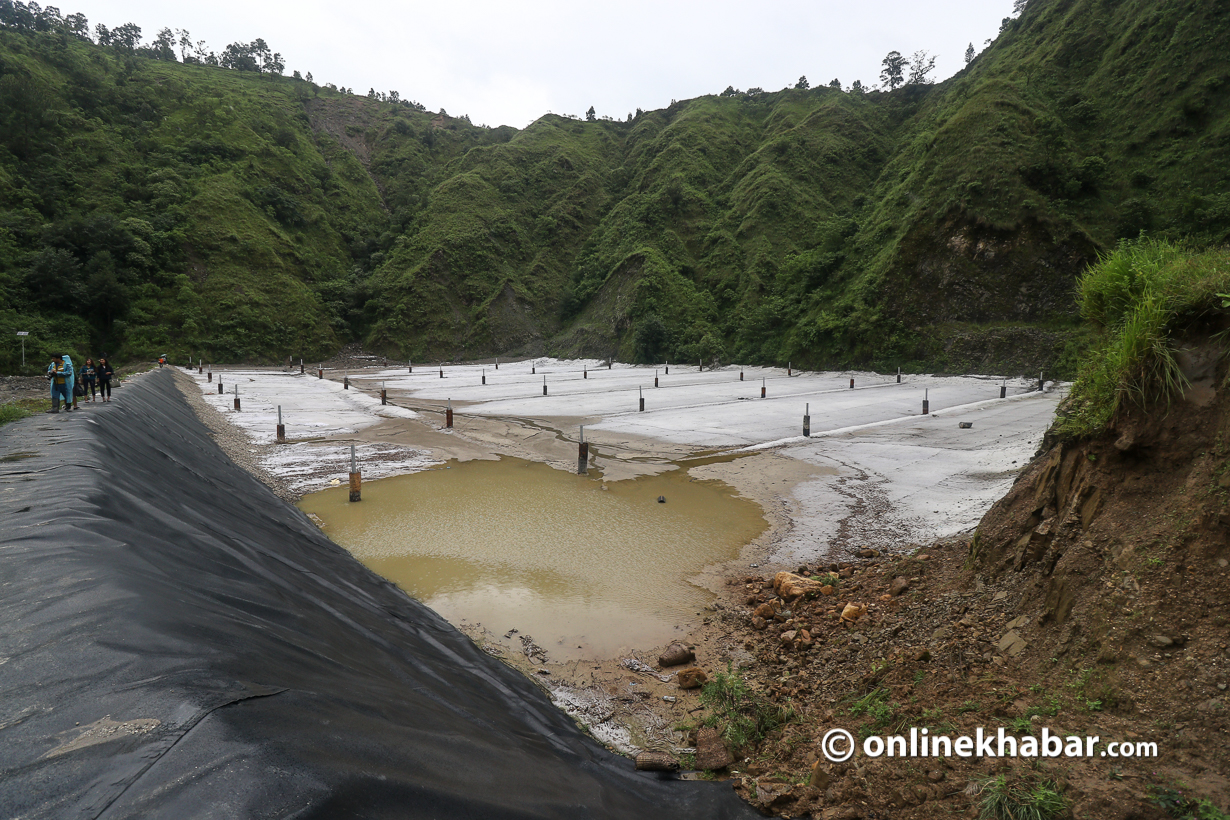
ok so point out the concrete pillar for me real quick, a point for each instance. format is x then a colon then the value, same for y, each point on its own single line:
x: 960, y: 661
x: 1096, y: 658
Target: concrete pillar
x: 851, y: 382
x: 762, y: 388
x: 1003, y: 390
x: 356, y: 478
x: 641, y: 393
x: 484, y: 375
x: 926, y: 404
x: 898, y: 375
x: 583, y: 454
x: 448, y: 415
x: 544, y: 385
x: 236, y: 398
x: 281, y: 427
x: 807, y: 421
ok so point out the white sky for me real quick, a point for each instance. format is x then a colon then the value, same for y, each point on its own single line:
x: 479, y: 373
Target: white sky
x: 509, y: 63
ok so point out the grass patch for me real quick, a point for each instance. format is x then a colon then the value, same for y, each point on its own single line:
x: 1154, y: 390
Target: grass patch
x: 1004, y: 800
x: 14, y: 410
x: 1138, y: 297
x: 1175, y: 803
x: 741, y: 715
x: 875, y: 705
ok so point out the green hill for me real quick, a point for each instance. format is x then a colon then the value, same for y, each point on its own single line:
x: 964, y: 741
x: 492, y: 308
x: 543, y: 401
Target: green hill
x: 150, y: 206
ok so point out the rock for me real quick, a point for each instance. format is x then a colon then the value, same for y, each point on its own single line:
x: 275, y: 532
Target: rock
x: 766, y: 610
x: 692, y: 678
x: 852, y: 612
x: 788, y: 637
x: 868, y: 552
x: 656, y: 762
x: 1161, y: 641
x: 899, y: 585
x: 676, y: 654
x: 999, y: 596
x: 819, y: 778
x: 826, y: 590
x: 790, y: 586
x: 922, y: 655
x: 935, y: 776
x: 1012, y: 643
x: 711, y: 752
x: 772, y: 793
x: 759, y: 623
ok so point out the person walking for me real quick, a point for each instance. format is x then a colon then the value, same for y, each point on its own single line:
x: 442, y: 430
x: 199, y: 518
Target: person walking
x: 104, y: 373
x: 60, y: 374
x: 89, y: 379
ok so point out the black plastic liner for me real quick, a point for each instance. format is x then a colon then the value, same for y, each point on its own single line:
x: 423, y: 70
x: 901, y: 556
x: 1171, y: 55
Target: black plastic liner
x: 177, y: 642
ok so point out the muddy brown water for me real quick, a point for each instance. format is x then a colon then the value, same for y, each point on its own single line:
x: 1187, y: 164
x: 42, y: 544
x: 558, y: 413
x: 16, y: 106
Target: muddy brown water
x: 587, y: 568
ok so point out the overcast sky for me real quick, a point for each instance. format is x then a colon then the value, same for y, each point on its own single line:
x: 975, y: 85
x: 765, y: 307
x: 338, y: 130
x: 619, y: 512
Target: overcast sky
x: 509, y: 63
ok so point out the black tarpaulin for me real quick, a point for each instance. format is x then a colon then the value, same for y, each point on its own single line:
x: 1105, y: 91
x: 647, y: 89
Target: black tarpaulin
x: 177, y: 642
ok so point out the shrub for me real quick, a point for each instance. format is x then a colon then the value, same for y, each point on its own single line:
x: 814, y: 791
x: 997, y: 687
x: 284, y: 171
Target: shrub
x: 741, y: 715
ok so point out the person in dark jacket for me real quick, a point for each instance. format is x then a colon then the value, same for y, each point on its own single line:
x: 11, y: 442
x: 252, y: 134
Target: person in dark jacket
x: 89, y: 379
x: 104, y: 373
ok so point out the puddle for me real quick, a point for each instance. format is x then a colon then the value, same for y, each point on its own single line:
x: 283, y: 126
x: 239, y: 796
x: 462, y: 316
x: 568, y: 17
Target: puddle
x: 514, y: 544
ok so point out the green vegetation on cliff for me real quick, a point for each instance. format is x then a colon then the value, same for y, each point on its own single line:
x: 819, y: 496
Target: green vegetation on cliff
x: 1145, y: 298
x: 150, y: 206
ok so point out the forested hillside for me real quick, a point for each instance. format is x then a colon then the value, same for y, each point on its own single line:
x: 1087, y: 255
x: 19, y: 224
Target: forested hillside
x: 149, y: 205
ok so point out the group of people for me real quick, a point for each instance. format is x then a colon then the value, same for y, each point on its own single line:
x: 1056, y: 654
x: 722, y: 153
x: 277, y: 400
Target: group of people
x: 90, y: 382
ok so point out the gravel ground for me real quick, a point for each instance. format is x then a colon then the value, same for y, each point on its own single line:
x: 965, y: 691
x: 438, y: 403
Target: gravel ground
x: 16, y: 388
x: 233, y: 441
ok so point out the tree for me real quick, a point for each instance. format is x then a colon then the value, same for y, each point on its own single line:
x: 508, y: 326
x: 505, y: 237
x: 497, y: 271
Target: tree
x: 394, y: 97
x: 238, y: 57
x: 893, y: 74
x: 857, y: 87
x: 77, y: 25
x: 802, y: 84
x: 163, y: 47
x: 102, y: 35
x: 922, y: 65
x: 591, y: 115
x: 1019, y: 6
x: 126, y: 37
x: 836, y: 83
x: 970, y: 54
x: 309, y: 78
